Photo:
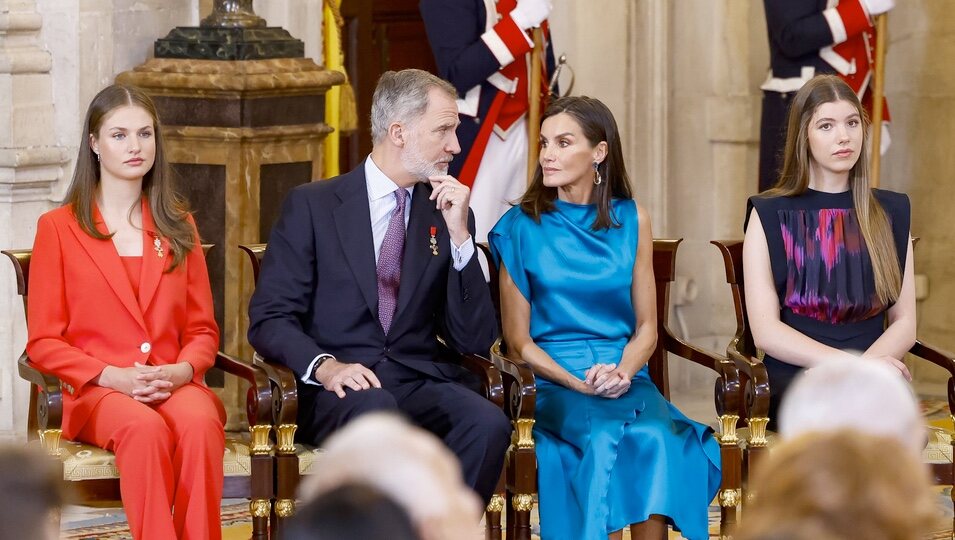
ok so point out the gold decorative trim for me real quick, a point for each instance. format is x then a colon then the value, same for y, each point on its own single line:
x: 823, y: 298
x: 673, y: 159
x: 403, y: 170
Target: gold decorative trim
x: 260, y: 508
x: 730, y: 497
x: 284, y: 508
x: 757, y: 432
x: 728, y: 429
x: 285, y: 434
x: 50, y: 439
x: 523, y: 502
x: 524, y: 430
x: 260, y: 439
x: 496, y: 504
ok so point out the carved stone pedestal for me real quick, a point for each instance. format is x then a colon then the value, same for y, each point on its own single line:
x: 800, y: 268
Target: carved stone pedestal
x: 239, y: 134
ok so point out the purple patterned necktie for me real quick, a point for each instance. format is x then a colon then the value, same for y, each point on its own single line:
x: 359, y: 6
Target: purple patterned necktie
x: 389, y: 262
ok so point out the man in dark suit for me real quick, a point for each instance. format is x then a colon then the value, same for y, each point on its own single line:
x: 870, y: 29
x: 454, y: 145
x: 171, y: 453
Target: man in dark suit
x: 364, y: 270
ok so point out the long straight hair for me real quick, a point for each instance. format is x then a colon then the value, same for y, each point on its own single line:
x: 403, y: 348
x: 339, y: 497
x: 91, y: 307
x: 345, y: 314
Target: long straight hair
x: 597, y: 123
x: 794, y: 178
x: 169, y: 210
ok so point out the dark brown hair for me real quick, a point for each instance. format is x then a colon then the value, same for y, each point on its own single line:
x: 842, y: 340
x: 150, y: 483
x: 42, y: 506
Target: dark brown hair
x: 794, y: 178
x: 169, y: 210
x: 598, y: 125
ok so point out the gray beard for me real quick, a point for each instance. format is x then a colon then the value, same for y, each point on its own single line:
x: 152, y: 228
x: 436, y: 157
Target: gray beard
x: 419, y: 167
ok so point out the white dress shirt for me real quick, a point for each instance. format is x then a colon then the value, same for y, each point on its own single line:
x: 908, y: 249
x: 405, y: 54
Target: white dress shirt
x: 381, y: 205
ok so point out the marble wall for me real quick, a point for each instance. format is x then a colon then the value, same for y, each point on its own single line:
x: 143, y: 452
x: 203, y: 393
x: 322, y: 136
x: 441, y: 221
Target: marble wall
x: 920, y: 86
x: 31, y: 165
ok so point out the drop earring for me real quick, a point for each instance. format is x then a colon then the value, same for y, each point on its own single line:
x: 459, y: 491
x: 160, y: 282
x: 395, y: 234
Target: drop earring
x: 597, y: 178
x: 97, y: 156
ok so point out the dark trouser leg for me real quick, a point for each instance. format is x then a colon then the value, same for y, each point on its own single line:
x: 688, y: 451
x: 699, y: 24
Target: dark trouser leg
x: 321, y: 413
x: 781, y: 375
x: 476, y: 430
x: 772, y: 137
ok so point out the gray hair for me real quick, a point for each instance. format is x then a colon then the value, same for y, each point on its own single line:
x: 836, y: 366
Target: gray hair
x: 402, y: 96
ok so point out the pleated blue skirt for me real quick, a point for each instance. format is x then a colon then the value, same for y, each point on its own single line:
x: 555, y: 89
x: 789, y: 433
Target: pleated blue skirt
x: 606, y: 463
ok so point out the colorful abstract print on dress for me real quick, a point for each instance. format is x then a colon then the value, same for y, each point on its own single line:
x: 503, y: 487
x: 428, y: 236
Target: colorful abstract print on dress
x: 829, y: 275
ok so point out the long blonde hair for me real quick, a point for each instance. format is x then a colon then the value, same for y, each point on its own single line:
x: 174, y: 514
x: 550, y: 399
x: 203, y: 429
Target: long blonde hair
x: 794, y: 178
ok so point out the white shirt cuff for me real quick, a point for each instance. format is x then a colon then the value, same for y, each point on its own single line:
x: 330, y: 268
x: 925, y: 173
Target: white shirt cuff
x: 307, y: 378
x: 462, y: 255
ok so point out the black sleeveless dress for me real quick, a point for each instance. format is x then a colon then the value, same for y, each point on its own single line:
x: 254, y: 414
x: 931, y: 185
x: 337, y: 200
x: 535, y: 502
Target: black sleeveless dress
x: 822, y: 271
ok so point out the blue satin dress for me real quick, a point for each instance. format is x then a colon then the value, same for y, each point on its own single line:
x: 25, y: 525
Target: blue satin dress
x: 602, y: 463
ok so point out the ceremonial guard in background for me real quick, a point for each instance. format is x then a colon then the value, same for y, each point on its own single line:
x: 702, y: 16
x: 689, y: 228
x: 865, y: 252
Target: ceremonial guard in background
x: 481, y: 47
x: 806, y: 38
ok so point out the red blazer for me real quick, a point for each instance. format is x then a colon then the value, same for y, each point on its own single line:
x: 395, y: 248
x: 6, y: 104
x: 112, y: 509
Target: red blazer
x: 82, y: 313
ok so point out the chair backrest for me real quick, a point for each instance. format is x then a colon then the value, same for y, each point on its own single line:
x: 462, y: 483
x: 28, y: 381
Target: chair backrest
x: 732, y: 251
x: 664, y: 272
x: 255, y: 253
x: 21, y: 265
x: 493, y: 281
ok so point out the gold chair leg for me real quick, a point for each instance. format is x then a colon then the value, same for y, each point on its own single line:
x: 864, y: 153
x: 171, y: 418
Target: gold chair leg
x: 50, y: 439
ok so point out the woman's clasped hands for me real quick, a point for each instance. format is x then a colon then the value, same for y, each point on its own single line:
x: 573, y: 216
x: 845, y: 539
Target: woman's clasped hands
x: 146, y: 384
x: 606, y: 380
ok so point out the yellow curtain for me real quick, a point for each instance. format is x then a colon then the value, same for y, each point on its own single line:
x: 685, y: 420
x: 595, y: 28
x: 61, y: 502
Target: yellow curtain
x: 340, y: 109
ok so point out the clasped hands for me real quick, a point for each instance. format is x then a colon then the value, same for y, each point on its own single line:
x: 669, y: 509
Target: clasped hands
x: 606, y: 380
x: 146, y: 384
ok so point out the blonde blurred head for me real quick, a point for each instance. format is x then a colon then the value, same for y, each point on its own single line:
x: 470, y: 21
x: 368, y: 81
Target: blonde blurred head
x: 408, y: 464
x: 840, y: 485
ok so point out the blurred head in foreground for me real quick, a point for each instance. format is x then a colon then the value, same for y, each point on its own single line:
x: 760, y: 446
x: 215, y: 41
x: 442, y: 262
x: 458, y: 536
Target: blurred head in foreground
x: 840, y: 485
x: 864, y: 395
x: 406, y: 463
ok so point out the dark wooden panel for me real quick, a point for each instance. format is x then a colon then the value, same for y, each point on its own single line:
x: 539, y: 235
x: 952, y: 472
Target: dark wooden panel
x: 378, y: 36
x: 204, y: 187
x: 275, y: 181
x: 252, y: 112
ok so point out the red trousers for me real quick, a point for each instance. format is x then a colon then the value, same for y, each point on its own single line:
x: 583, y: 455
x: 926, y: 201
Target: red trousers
x: 169, y: 458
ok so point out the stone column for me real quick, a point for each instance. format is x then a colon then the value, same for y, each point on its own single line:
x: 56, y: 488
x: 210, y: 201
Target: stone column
x: 30, y: 165
x: 243, y: 113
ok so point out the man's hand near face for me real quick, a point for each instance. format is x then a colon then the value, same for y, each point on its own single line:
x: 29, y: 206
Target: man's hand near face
x: 452, y: 198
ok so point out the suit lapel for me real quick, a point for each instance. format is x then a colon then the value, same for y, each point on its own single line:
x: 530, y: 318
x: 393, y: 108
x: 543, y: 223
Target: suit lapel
x: 417, y: 255
x: 353, y: 221
x: 104, y: 255
x: 153, y: 265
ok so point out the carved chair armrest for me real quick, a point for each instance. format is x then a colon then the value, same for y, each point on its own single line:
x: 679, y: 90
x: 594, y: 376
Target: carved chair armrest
x: 489, y: 376
x: 259, y: 401
x: 728, y: 392
x: 942, y: 359
x: 284, y: 390
x: 49, y: 402
x: 522, y: 389
x: 756, y: 392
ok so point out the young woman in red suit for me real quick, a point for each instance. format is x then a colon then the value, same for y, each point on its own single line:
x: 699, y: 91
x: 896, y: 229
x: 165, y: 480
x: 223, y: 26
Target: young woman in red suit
x: 121, y: 311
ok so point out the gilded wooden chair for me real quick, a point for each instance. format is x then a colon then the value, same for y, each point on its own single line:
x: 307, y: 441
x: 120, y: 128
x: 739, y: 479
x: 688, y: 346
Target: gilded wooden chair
x: 91, y: 471
x: 294, y: 460
x: 742, y: 350
x: 522, y: 486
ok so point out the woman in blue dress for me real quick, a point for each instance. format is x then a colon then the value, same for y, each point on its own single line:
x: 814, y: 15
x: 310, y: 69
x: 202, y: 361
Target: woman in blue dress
x: 578, y: 305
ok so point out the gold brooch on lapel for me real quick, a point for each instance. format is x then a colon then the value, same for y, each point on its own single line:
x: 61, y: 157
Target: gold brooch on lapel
x: 434, y: 241
x: 157, y: 246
